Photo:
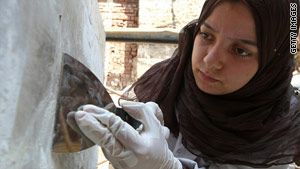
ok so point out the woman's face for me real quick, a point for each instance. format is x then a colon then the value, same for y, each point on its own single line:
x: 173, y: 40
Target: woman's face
x: 225, y: 54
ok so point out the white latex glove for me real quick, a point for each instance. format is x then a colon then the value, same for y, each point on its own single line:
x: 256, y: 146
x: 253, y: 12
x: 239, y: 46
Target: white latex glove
x: 122, y: 144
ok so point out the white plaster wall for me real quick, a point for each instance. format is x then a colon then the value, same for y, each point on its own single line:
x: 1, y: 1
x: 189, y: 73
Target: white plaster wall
x: 186, y: 10
x: 34, y: 34
x: 155, y: 14
x: 168, y: 13
x: 151, y: 53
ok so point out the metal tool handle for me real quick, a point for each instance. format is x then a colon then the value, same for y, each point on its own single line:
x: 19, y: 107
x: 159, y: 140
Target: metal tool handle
x: 127, y: 118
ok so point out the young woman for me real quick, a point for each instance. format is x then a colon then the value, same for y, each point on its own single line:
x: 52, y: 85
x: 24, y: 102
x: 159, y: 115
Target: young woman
x: 225, y: 95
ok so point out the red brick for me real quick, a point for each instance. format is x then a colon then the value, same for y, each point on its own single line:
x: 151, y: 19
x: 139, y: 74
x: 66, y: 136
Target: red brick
x: 126, y: 72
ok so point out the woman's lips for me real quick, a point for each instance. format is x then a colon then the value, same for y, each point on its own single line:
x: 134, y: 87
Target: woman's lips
x: 207, y: 78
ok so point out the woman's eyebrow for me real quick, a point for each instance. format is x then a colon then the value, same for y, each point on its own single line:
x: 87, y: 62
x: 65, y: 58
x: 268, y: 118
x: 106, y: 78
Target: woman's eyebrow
x: 209, y: 27
x: 248, y: 42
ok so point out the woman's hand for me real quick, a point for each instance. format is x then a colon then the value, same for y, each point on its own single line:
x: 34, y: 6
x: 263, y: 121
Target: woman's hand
x: 124, y: 146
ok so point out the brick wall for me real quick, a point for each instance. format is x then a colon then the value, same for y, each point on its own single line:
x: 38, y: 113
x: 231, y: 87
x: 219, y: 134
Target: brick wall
x: 120, y: 56
x: 119, y: 13
x: 120, y: 64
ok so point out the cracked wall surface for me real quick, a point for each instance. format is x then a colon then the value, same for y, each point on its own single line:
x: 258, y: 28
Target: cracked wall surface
x: 34, y: 35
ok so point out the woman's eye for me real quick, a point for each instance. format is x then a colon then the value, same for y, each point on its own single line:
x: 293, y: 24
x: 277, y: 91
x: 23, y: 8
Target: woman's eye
x: 205, y: 36
x: 242, y: 52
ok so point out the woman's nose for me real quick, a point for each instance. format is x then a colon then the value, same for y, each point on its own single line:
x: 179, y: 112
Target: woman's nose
x: 215, y: 57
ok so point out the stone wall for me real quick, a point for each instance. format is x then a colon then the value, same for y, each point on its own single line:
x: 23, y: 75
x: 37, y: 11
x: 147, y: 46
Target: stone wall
x: 119, y: 56
x: 34, y: 34
x: 121, y: 60
x: 149, y: 54
x: 168, y: 13
x: 119, y: 13
x: 126, y: 62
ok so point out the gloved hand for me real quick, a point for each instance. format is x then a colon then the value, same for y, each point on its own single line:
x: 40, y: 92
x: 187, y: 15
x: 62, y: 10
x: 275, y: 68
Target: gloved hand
x: 124, y: 146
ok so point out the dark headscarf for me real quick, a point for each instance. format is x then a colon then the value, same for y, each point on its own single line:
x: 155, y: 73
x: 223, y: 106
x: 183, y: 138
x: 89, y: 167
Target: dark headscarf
x: 257, y: 125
